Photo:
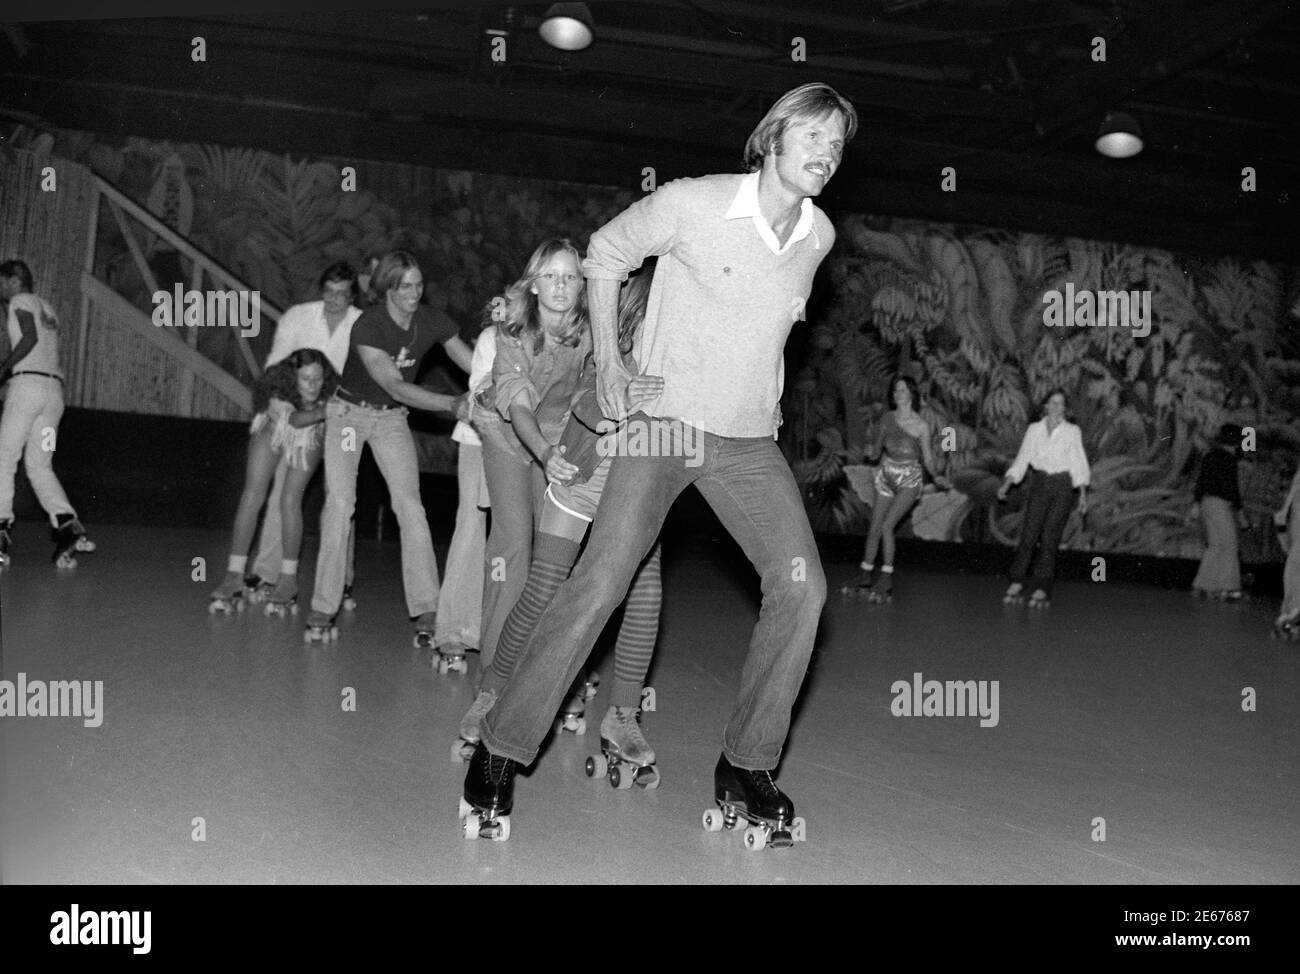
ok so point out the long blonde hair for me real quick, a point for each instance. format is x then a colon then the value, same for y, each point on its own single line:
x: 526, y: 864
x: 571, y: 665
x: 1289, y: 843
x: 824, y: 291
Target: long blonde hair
x: 521, y: 318
x: 632, y: 305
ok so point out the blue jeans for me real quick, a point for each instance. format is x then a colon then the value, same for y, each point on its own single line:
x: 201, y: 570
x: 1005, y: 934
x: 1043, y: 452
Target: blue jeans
x: 394, y: 451
x: 749, y: 486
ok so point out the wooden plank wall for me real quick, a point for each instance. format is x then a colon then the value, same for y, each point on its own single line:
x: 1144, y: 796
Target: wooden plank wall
x: 106, y: 364
x: 49, y: 230
x: 129, y: 374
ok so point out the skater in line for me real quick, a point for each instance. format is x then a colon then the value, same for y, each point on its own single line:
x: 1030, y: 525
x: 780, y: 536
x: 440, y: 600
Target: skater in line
x: 1052, y: 456
x: 325, y: 325
x: 903, y: 449
x: 542, y: 342
x: 737, y: 257
x: 576, y: 475
x: 1217, y: 502
x: 287, y: 431
x: 1287, y: 520
x: 370, y: 406
x: 32, y: 411
x: 460, y: 604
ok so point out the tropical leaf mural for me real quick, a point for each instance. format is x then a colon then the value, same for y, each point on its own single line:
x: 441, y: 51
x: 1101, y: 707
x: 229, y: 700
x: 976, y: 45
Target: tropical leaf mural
x: 963, y: 313
x: 961, y: 310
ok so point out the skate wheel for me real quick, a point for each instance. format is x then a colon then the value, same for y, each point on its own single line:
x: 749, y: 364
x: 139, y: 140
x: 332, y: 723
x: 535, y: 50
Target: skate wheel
x: 597, y: 766
x: 580, y: 726
x: 755, y: 838
x: 622, y: 778
x: 502, y: 832
x: 798, y: 829
x: 440, y: 665
x: 349, y: 605
x: 648, y: 778
x: 470, y: 824
x: 712, y: 820
x: 461, y: 666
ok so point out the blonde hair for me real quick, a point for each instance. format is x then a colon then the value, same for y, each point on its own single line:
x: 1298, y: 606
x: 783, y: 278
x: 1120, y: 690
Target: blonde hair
x: 521, y: 303
x: 811, y: 101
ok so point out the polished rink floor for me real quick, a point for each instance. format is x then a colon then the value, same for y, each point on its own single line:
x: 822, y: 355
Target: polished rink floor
x: 1119, y: 703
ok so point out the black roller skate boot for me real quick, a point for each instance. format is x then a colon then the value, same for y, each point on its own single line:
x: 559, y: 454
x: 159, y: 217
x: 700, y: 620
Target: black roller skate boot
x: 754, y: 797
x: 882, y: 593
x: 489, y: 796
x: 862, y: 582
x: 69, y: 538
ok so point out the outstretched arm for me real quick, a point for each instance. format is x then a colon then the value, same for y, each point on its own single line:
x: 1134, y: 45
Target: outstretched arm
x: 384, y: 372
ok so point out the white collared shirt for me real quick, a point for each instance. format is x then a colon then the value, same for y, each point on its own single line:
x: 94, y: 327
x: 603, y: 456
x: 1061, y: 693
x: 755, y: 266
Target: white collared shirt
x: 304, y: 326
x: 746, y: 205
x: 1060, y: 451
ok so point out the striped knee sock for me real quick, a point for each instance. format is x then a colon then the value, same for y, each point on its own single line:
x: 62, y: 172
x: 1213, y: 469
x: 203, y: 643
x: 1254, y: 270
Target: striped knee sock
x: 553, y: 558
x: 637, y: 635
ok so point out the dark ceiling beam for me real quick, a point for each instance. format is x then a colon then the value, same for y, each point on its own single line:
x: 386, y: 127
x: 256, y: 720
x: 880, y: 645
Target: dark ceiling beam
x: 575, y: 112
x: 321, y: 56
x: 1163, y: 192
x: 730, y: 75
x: 895, y: 181
x: 1167, y: 39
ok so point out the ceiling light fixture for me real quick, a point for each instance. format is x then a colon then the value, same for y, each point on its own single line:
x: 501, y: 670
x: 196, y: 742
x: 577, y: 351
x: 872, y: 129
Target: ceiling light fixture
x: 567, y: 26
x: 1120, y: 136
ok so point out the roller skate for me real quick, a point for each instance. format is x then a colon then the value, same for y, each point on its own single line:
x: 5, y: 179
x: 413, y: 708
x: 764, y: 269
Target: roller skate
x: 349, y: 600
x: 753, y: 797
x: 625, y: 757
x: 463, y: 749
x: 882, y: 593
x: 1287, y: 626
x: 489, y: 796
x: 259, y: 589
x: 572, y: 717
x: 69, y: 538
x: 283, y: 597
x: 451, y: 656
x: 424, y: 626
x: 861, y: 585
x: 1015, y: 594
x: 320, y: 628
x: 6, y: 530
x: 1039, y: 600
x: 229, y: 595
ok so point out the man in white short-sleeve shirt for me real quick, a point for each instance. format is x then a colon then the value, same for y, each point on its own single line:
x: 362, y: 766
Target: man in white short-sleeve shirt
x: 325, y: 325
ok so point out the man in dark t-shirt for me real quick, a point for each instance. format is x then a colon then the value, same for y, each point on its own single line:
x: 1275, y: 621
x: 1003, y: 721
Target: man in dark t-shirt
x: 370, y: 406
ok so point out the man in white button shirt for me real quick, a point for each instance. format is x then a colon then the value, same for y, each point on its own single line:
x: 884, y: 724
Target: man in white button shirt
x: 325, y: 325
x: 1052, y: 455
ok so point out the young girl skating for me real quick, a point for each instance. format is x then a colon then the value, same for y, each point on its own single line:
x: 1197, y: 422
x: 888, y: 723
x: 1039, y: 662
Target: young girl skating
x: 291, y: 396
